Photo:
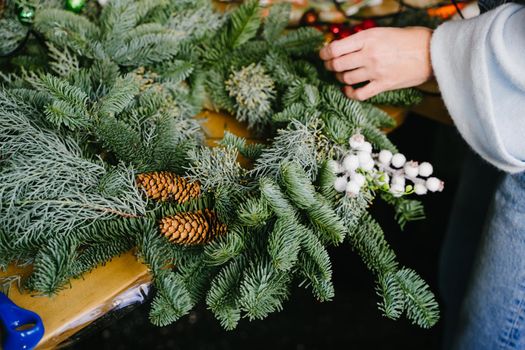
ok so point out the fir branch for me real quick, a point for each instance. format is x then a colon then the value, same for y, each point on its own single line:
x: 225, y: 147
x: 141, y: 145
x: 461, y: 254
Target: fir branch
x: 225, y: 248
x: 224, y: 293
x: 253, y: 212
x: 298, y: 142
x: 197, y: 22
x: 250, y: 151
x: 244, y: 23
x: 273, y: 195
x: 276, y: 21
x: 217, y: 167
x: 297, y: 185
x: 53, y: 265
x: 325, y: 182
x: 172, y: 300
x: 46, y: 185
x: 401, y: 98
x: 421, y: 306
x: 284, y: 244
x: 370, y: 243
x: 315, y: 266
x: 378, y: 117
x: 327, y: 223
x: 66, y: 29
x: 119, y: 96
x: 301, y: 41
x: 175, y: 71
x: 263, y: 290
x: 12, y: 32
x: 392, y: 302
x: 63, y: 61
x: 406, y: 210
x: 69, y: 103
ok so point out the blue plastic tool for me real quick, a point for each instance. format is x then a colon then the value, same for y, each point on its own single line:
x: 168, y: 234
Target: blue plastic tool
x: 22, y: 329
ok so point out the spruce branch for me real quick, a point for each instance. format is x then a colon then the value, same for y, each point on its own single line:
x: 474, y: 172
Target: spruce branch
x: 244, y: 23
x: 217, y: 167
x: 172, y: 300
x: 315, y: 266
x: 401, y: 98
x: 263, y: 290
x: 224, y: 293
x: 276, y: 21
x: 284, y: 244
x: 421, y: 306
x: 300, y: 41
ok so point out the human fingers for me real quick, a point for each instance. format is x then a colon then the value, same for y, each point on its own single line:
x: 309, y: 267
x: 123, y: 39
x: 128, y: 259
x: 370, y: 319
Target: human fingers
x: 354, y: 76
x: 342, y: 47
x: 347, y: 62
x: 364, y: 93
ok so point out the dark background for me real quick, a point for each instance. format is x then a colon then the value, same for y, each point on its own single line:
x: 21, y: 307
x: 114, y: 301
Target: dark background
x: 351, y: 320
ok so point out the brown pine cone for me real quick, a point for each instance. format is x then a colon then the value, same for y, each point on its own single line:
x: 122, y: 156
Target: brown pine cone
x: 164, y: 186
x: 192, y: 228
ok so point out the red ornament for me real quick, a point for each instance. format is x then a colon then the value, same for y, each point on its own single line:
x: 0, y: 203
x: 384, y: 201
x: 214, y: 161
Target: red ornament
x: 358, y: 28
x: 346, y: 32
x: 368, y: 23
x: 335, y: 29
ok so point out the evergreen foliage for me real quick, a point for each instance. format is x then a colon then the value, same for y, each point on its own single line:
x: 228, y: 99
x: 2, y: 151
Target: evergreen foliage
x: 115, y: 96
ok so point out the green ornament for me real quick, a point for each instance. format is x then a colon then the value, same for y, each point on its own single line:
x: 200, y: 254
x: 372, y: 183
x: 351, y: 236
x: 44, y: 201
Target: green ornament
x: 26, y: 15
x: 75, y: 5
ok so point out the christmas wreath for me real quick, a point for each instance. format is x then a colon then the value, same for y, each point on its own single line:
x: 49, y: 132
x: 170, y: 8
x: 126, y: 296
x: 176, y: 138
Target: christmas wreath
x: 100, y: 154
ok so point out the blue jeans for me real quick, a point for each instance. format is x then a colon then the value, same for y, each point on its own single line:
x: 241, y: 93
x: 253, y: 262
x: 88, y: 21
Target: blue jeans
x: 482, y: 267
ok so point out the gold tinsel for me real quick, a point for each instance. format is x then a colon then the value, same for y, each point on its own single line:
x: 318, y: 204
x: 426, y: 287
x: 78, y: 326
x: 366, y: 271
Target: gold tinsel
x: 164, y: 186
x: 192, y: 228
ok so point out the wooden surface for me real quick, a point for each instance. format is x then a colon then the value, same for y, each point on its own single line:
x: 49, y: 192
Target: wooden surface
x: 86, y: 299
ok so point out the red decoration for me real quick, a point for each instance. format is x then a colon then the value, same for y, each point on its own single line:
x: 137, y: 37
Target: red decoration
x: 346, y: 32
x: 368, y: 23
x: 335, y: 29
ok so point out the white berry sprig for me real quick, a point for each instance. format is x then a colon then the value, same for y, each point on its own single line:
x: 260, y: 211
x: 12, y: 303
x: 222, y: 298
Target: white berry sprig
x: 384, y: 171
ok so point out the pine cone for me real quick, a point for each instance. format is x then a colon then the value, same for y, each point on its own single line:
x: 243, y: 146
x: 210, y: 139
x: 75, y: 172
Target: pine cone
x: 192, y: 228
x: 165, y: 186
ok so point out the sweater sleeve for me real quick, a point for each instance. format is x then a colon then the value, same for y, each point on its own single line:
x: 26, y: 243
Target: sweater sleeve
x: 480, y: 68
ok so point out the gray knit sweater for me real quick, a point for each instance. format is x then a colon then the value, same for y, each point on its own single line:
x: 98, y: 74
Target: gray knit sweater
x: 479, y: 66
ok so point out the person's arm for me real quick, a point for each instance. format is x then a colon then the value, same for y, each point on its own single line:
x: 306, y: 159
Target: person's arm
x: 480, y: 70
x: 478, y: 65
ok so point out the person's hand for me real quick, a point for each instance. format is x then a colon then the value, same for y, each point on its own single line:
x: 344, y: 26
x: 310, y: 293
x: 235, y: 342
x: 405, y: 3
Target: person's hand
x: 387, y: 58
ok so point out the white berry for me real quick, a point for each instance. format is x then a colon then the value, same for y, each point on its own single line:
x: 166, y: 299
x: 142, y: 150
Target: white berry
x: 352, y: 188
x: 434, y: 184
x: 360, y: 179
x: 385, y: 156
x: 356, y: 141
x: 334, y: 167
x: 368, y: 165
x: 411, y: 169
x: 340, y: 184
x: 398, y: 160
x: 364, y: 157
x: 351, y: 162
x: 398, y: 180
x: 425, y: 169
x: 366, y: 147
x: 397, y: 190
x: 420, y: 189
